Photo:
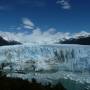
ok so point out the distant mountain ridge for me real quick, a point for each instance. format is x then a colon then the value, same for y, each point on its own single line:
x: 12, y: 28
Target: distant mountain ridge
x: 11, y: 38
x: 82, y: 40
x: 4, y: 42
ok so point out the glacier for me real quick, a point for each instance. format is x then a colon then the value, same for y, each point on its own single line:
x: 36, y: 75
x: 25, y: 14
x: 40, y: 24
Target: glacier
x: 46, y: 63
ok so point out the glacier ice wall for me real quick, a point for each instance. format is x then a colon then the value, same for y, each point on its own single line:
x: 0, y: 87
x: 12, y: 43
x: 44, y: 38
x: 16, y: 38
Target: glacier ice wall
x: 40, y: 60
x: 73, y: 57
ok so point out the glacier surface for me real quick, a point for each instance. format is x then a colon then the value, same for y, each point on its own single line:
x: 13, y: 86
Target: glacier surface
x: 46, y: 63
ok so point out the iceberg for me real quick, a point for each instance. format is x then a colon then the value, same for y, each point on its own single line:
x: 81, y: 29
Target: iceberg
x: 46, y: 63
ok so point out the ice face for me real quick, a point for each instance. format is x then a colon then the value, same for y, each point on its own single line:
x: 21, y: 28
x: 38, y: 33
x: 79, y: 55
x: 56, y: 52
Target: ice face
x: 45, y: 61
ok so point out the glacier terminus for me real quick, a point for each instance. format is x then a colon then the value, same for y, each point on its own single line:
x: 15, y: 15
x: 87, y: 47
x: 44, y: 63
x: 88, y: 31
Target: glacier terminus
x: 46, y: 63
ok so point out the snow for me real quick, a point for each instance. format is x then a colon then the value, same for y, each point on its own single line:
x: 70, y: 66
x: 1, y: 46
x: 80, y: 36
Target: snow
x: 82, y: 33
x: 38, y: 37
x: 46, y: 63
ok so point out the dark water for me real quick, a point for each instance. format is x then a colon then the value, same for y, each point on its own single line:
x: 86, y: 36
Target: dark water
x: 73, y: 85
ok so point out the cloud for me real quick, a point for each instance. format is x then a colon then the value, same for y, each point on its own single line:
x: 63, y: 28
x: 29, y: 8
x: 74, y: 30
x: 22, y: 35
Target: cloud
x: 38, y: 36
x: 64, y: 4
x: 27, y: 23
x: 3, y: 7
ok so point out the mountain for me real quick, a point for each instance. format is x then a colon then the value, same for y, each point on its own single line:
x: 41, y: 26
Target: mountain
x: 48, y: 37
x: 82, y: 40
x: 4, y: 42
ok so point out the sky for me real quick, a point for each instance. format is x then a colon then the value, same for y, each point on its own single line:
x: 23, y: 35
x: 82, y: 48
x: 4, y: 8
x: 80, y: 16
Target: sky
x: 60, y: 15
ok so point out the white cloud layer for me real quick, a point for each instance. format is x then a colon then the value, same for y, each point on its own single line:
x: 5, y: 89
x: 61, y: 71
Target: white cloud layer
x: 3, y: 7
x: 64, y: 4
x: 39, y: 36
x: 28, y: 23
